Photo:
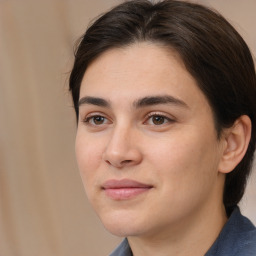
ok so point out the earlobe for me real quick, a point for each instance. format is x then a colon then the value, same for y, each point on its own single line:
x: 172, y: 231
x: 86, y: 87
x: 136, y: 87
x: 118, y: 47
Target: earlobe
x: 236, y: 141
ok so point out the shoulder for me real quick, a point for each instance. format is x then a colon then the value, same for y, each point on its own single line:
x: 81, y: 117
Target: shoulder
x: 123, y: 249
x: 237, y: 238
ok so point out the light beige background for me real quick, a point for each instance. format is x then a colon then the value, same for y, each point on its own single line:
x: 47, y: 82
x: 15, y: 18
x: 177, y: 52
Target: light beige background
x: 43, y: 208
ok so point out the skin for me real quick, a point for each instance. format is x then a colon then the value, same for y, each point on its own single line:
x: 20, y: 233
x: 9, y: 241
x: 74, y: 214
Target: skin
x: 171, y: 146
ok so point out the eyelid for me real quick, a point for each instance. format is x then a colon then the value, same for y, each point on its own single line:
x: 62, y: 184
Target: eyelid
x: 157, y: 113
x: 91, y: 115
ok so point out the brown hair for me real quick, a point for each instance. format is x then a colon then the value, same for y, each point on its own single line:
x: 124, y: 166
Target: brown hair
x: 211, y: 49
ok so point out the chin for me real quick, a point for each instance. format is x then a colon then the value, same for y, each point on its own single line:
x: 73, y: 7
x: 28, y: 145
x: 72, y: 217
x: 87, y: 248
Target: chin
x: 122, y: 226
x: 123, y: 231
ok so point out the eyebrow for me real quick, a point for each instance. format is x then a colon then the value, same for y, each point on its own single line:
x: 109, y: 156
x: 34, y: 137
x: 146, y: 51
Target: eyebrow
x: 94, y: 101
x: 143, y: 102
x: 157, y: 100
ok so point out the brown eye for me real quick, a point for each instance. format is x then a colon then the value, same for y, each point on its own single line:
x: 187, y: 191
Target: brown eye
x: 98, y: 120
x: 158, y: 120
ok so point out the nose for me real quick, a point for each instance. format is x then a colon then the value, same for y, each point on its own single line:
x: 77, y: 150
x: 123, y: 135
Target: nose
x: 122, y: 149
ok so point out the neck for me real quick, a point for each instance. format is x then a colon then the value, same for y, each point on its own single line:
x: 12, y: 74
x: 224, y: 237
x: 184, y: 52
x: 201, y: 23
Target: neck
x: 190, y: 237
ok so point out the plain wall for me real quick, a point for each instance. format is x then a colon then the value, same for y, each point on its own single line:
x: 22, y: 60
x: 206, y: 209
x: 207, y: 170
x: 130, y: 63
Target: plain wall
x: 43, y: 207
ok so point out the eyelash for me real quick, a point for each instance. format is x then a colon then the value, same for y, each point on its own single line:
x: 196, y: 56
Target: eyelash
x: 156, y: 114
x: 91, y: 117
x: 166, y: 119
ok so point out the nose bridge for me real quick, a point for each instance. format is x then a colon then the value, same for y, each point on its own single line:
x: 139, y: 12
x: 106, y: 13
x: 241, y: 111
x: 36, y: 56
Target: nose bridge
x: 122, y: 146
x: 119, y: 142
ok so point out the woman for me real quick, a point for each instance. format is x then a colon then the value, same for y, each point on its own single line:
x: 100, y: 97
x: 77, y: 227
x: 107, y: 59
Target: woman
x: 164, y: 95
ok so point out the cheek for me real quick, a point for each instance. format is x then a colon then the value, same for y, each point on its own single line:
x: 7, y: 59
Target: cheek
x: 175, y: 152
x: 186, y: 160
x: 88, y: 155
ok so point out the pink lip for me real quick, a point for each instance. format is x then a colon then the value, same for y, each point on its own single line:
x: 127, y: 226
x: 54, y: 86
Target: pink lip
x: 124, y: 189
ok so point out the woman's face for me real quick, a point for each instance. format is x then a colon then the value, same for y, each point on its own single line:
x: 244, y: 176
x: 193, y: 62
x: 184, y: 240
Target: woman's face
x: 146, y: 145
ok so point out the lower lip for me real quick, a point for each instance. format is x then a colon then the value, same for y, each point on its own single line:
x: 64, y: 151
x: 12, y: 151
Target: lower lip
x: 124, y: 193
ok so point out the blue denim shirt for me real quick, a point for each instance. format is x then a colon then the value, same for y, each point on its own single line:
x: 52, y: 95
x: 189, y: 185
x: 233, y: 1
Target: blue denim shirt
x: 237, y: 238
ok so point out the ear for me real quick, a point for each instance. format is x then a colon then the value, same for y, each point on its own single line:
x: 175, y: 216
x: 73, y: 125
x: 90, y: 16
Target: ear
x: 236, y: 141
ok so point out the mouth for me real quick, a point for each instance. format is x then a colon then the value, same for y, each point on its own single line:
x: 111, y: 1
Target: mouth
x: 124, y: 189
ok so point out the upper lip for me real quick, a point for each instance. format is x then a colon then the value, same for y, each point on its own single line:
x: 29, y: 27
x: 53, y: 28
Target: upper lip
x: 124, y: 183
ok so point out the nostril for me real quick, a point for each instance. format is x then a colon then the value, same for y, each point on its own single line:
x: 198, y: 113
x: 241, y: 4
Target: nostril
x: 126, y: 161
x: 119, y: 164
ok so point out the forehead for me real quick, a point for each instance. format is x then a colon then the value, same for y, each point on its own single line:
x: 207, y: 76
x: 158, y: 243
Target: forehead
x: 139, y: 70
